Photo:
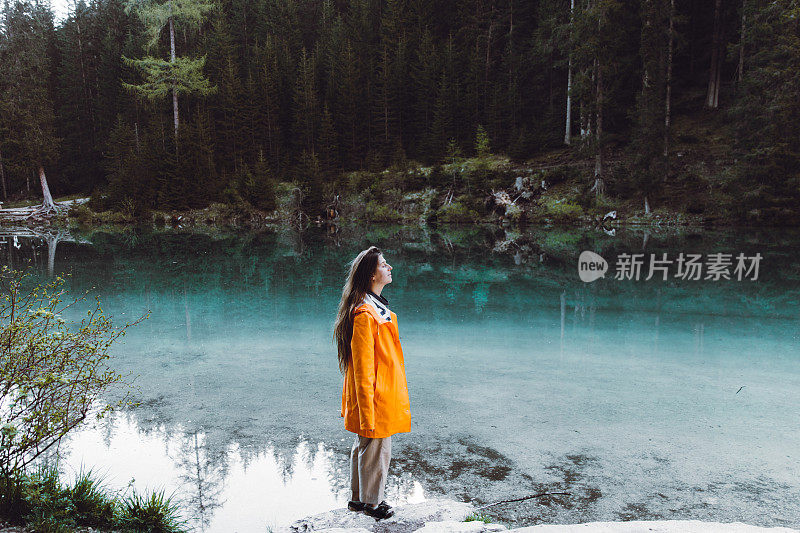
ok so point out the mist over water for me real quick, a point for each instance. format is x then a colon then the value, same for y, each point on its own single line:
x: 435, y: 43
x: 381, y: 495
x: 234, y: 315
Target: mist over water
x: 643, y: 399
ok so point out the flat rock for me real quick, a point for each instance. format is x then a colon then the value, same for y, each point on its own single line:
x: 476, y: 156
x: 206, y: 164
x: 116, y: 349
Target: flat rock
x: 657, y: 526
x: 344, y: 530
x: 452, y: 526
x: 335, y: 521
x: 407, y: 519
x: 447, y: 516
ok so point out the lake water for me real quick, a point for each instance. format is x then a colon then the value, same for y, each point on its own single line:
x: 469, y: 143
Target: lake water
x: 644, y: 399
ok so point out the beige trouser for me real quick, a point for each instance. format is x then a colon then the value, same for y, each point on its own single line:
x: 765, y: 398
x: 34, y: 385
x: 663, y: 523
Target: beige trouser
x: 369, y: 467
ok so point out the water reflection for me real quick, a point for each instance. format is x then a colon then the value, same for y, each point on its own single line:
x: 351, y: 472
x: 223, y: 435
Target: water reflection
x: 227, y: 489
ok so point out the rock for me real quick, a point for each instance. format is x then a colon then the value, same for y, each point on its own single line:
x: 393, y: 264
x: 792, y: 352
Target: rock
x: 451, y: 526
x: 338, y: 520
x: 656, y: 526
x: 406, y: 519
x: 430, y: 511
x: 344, y: 530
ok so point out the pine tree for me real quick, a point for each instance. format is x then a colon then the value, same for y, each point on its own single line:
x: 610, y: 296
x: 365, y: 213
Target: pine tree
x: 767, y: 114
x: 177, y: 75
x: 271, y: 132
x: 647, y: 148
x: 306, y: 105
x: 326, y: 141
x: 348, y: 95
x: 226, y: 107
x: 423, y: 73
x: 26, y: 109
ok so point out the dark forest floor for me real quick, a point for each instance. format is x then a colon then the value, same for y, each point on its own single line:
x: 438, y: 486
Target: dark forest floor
x: 553, y: 187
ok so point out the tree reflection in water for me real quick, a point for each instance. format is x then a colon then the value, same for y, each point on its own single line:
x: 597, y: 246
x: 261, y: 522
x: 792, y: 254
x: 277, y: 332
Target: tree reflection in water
x: 220, y: 486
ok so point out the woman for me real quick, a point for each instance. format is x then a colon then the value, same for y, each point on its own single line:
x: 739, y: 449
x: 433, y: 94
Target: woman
x: 374, y: 395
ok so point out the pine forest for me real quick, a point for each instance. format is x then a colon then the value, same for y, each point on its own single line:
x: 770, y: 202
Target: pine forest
x: 179, y: 104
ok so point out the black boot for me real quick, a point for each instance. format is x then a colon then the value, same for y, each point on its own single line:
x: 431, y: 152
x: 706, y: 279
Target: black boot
x: 380, y: 512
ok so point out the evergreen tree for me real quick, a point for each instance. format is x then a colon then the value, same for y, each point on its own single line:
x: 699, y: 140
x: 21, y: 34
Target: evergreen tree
x: 271, y: 136
x: 26, y: 108
x: 177, y: 75
x: 306, y: 105
x: 767, y: 114
x: 423, y: 73
x: 646, y: 148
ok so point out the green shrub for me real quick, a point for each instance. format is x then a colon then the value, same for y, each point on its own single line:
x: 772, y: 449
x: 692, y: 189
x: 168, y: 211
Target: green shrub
x: 557, y: 175
x: 421, y: 203
x: 82, y: 214
x: 358, y: 181
x: 481, y: 142
x: 150, y: 514
x: 601, y: 206
x: 258, y: 187
x: 522, y: 145
x: 48, y: 391
x: 91, y: 504
x: 514, y: 213
x: 49, y: 503
x: 98, y: 201
x: 12, y: 497
x: 478, y: 517
x: 41, y: 503
x: 439, y: 178
x: 457, y: 211
x: 563, y: 211
x: 376, y: 211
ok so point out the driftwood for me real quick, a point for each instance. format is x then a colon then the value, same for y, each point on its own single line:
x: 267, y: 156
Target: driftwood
x: 36, y: 212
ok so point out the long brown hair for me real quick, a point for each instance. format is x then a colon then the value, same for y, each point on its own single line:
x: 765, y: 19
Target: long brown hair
x: 359, y: 280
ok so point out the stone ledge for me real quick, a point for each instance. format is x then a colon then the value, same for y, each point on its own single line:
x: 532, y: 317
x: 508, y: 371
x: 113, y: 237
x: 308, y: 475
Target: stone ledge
x: 447, y: 516
x: 656, y: 526
x: 407, y: 519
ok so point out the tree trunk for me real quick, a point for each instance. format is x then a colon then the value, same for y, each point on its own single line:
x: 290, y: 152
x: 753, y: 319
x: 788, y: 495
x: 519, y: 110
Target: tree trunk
x: 3, y: 177
x: 385, y: 95
x: 712, y: 96
x: 568, y: 127
x: 586, y: 122
x: 668, y: 102
x: 47, y: 199
x: 741, y: 43
x: 174, y: 88
x: 646, y: 206
x: 486, y: 71
x: 599, y: 184
x: 136, y: 133
x: 512, y: 91
x: 85, y: 86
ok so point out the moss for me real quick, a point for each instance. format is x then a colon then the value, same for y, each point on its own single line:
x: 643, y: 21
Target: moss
x: 562, y: 211
x: 478, y: 517
x: 457, y: 211
x: 375, y: 211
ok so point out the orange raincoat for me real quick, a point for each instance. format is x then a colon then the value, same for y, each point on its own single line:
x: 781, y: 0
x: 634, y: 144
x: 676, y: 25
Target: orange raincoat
x: 375, y: 394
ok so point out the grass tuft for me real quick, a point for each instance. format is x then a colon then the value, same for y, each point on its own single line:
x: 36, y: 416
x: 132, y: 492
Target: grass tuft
x: 93, y: 507
x: 478, y: 517
x: 154, y: 513
x: 41, y: 503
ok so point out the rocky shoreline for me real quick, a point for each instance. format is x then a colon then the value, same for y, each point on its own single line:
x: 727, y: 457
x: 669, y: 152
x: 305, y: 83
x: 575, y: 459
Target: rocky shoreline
x: 447, y: 516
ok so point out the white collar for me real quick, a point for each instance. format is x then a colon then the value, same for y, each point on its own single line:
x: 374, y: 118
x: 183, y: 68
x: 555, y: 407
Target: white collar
x: 382, y: 310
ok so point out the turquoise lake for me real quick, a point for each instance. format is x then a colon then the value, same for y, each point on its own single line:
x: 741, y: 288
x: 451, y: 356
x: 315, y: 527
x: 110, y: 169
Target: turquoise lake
x: 644, y: 399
